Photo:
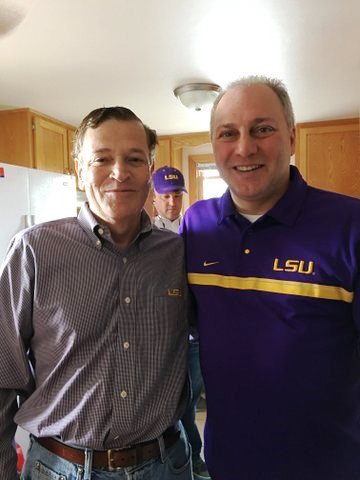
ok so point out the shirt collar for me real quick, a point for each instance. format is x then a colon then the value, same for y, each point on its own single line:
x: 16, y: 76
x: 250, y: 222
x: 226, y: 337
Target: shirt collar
x: 172, y: 224
x: 227, y: 207
x: 97, y: 231
x: 286, y: 210
x: 88, y: 222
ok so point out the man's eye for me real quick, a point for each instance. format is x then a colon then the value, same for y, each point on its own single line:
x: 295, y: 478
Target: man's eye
x: 227, y: 134
x: 137, y: 161
x: 98, y: 161
x: 264, y: 130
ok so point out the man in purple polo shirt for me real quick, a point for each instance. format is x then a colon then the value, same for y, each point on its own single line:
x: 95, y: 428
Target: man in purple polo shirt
x: 274, y: 268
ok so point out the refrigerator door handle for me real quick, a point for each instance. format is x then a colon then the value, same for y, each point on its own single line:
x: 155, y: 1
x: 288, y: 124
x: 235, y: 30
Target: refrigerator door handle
x: 29, y: 220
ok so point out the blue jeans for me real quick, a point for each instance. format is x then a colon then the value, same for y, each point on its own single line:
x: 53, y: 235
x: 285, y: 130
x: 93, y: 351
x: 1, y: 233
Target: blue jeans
x: 197, y: 385
x: 174, y: 464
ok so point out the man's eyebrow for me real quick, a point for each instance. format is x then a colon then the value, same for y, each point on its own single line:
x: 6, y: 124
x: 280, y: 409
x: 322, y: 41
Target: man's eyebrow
x: 226, y: 125
x: 255, y: 120
x: 137, y: 150
x: 106, y: 149
x: 263, y: 119
x: 101, y: 150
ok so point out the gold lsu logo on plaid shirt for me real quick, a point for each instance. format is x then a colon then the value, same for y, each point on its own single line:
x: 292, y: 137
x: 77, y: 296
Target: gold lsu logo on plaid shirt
x: 174, y: 292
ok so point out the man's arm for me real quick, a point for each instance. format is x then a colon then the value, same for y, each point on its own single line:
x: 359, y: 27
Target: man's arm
x: 16, y: 284
x: 8, y: 457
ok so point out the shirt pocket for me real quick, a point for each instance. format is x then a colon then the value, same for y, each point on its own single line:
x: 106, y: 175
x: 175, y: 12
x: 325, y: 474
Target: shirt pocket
x: 170, y: 311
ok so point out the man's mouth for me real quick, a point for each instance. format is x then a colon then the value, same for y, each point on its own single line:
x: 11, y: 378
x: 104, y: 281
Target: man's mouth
x: 120, y: 190
x: 247, y: 168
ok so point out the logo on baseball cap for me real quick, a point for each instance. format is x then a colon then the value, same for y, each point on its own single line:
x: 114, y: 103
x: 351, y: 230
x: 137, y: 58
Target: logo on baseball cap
x: 168, y: 179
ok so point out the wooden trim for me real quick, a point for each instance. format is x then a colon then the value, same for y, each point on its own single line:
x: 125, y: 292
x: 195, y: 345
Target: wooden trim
x: 330, y: 123
x: 39, y: 114
x: 179, y: 142
x: 183, y: 140
x: 195, y: 189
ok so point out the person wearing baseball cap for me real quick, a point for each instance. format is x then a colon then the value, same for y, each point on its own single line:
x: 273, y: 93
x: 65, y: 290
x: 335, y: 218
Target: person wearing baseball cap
x: 169, y: 186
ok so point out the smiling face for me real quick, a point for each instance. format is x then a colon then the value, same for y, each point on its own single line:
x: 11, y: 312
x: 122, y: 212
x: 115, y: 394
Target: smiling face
x: 252, y: 145
x: 115, y: 172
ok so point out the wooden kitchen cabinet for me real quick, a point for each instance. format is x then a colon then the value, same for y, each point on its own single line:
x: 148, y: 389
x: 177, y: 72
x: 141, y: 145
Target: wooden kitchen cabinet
x: 70, y: 140
x: 32, y: 139
x: 328, y: 155
x: 170, y: 149
x: 163, y: 153
x: 50, y: 145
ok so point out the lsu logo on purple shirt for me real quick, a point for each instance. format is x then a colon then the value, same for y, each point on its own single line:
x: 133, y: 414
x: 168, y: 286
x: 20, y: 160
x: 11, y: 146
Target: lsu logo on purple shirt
x: 294, y: 266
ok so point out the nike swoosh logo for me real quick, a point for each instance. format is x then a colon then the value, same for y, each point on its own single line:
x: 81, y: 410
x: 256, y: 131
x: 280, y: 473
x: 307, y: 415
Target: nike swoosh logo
x: 208, y: 264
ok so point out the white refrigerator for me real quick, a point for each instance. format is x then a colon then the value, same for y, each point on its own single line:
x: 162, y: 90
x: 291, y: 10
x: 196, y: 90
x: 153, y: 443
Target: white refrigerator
x: 28, y: 197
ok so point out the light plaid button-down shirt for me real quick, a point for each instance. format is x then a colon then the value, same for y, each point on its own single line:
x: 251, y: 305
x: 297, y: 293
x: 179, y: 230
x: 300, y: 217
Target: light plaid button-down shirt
x: 104, y: 332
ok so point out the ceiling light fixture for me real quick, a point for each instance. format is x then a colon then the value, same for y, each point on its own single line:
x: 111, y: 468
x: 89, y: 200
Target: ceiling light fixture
x: 12, y: 13
x: 197, y: 96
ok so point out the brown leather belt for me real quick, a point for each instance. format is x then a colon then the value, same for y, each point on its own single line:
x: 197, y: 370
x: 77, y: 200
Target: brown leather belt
x: 113, y: 458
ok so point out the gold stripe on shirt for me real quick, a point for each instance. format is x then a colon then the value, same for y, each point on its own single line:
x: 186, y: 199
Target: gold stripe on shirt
x: 313, y: 290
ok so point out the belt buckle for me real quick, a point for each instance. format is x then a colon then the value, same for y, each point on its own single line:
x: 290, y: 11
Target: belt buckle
x: 110, y: 458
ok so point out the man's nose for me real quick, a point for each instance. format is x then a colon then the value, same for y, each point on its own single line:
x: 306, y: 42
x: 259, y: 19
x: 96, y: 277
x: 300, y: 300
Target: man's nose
x: 119, y: 170
x: 246, y: 145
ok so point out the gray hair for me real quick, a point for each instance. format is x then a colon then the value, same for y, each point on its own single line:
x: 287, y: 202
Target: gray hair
x: 276, y: 85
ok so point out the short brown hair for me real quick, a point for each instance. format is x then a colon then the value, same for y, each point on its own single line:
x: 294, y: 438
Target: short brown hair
x: 100, y: 115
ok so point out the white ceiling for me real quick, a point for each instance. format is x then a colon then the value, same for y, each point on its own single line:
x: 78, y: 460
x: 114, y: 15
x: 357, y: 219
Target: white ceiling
x: 66, y: 57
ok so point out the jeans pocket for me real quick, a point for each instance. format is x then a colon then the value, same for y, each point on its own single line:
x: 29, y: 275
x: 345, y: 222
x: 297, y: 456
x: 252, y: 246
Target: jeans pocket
x: 179, y: 456
x: 41, y: 464
x: 42, y: 472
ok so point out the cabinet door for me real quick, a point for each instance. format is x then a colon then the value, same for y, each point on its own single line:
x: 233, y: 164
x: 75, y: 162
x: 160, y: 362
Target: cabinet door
x: 328, y: 155
x: 16, y: 138
x: 163, y: 153
x: 50, y: 145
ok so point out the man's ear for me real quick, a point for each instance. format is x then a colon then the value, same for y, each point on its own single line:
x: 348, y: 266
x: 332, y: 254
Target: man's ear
x: 292, y: 140
x: 79, y: 173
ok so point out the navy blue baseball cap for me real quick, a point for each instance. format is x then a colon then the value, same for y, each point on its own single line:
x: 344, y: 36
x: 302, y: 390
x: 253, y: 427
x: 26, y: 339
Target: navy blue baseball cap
x: 168, y: 179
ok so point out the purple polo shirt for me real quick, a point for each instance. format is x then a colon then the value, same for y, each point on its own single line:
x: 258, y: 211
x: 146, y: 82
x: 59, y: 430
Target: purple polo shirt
x: 278, y: 307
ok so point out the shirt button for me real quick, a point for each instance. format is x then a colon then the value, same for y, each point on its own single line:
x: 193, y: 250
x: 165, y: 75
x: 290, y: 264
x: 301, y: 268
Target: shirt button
x: 247, y: 251
x: 126, y: 345
x: 101, y: 231
x: 124, y: 260
x: 98, y: 243
x: 123, y: 394
x: 127, y: 299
